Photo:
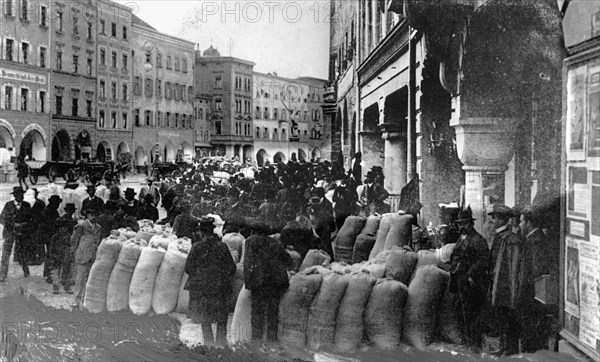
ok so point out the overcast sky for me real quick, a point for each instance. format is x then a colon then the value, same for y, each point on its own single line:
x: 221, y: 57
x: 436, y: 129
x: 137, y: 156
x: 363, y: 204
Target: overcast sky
x: 287, y: 37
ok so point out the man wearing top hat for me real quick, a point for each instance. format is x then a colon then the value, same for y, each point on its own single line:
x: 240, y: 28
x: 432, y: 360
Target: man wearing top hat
x: 132, y: 205
x: 372, y: 195
x: 468, y: 277
x: 504, y: 273
x: 16, y: 217
x: 92, y: 201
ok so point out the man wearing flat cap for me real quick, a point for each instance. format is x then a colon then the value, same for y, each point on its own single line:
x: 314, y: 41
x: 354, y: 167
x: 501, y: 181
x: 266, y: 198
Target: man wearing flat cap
x: 468, y: 277
x: 15, y: 216
x: 504, y: 279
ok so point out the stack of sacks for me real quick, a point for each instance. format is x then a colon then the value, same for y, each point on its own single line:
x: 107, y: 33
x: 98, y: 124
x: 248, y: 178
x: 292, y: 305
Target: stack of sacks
x: 366, y: 239
x: 168, y: 277
x: 117, y: 293
x: 98, y: 280
x: 324, y: 309
x: 384, y: 313
x: 147, y: 230
x: 400, y: 264
x: 445, y: 253
x: 450, y: 318
x: 400, y: 232
x: 296, y: 259
x: 162, y: 240
x: 127, y: 233
x: 374, y: 269
x: 294, y: 307
x: 346, y: 237
x: 382, y: 231
x: 79, y: 195
x: 349, y: 326
x: 315, y: 257
x: 423, y: 305
x: 234, y: 243
x: 141, y: 289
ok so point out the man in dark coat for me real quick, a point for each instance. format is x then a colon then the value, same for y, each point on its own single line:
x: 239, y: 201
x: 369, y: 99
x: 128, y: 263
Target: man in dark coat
x: 107, y: 218
x: 344, y: 199
x: 47, y: 228
x: 211, y: 270
x: 504, y: 274
x: 265, y: 265
x: 185, y: 224
x: 132, y: 205
x: 123, y: 219
x: 538, y: 257
x: 16, y: 218
x: 468, y: 277
x: 147, y: 210
x: 38, y: 250
x: 151, y: 189
x: 372, y: 196
x: 92, y: 201
x: 59, y: 257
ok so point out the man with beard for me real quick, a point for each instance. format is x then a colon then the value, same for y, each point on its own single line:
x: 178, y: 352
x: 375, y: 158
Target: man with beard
x: 468, y: 277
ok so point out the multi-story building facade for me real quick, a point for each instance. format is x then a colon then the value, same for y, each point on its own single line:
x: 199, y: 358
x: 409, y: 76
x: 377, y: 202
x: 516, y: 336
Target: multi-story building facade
x: 203, y: 130
x: 281, y: 118
x: 163, y: 96
x: 114, y: 125
x: 73, y: 60
x: 228, y: 81
x: 319, y: 130
x: 25, y: 80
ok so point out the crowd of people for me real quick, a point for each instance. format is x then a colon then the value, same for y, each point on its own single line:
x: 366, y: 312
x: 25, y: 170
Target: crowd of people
x: 305, y: 204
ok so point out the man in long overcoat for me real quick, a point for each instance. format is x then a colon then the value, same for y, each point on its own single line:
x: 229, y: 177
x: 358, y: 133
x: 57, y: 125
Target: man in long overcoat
x: 84, y: 243
x: 504, y: 273
x: 16, y: 217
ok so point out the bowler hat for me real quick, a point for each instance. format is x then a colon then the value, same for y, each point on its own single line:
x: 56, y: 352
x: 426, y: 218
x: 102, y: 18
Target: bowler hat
x: 465, y: 215
x: 370, y: 175
x: 68, y: 207
x: 129, y: 191
x: 18, y: 190
x: 54, y: 199
x: 91, y: 187
x: 206, y: 223
x: 502, y: 210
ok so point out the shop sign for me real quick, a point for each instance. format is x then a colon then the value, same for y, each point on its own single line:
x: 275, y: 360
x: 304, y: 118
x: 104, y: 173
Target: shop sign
x: 22, y: 76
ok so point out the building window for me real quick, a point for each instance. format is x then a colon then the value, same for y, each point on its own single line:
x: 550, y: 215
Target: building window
x: 42, y: 101
x: 59, y: 20
x: 59, y: 104
x: 177, y: 68
x: 159, y: 88
x: 266, y: 113
x: 59, y: 60
x: 114, y: 59
x: 102, y: 89
x: 265, y: 133
x: 43, y: 57
x: 124, y: 33
x: 169, y: 65
x: 113, y: 30
x: 218, y: 81
x: 113, y: 119
x: 74, y: 107
x: 88, y: 108
x: 89, y: 30
x: 124, y: 61
x: 75, y: 26
x: 168, y: 90
x: 8, y: 98
x: 168, y: 119
x: 24, y: 99
x: 305, y: 116
x: 148, y: 85
x: 148, y: 56
x: 8, y: 7
x: 147, y: 118
x: 89, y: 67
x: 159, y: 60
x: 275, y: 134
x: 25, y: 52
x: 101, y: 119
x: 102, y: 27
x: 102, y: 56
x: 137, y: 86
x: 9, y: 50
x: 75, y: 63
x: 217, y: 127
x: 124, y: 118
x: 113, y: 90
x: 43, y: 15
x: 136, y: 117
x: 275, y: 113
x: 218, y: 105
x: 257, y: 112
x: 125, y: 91
x: 184, y: 65
x: 159, y: 119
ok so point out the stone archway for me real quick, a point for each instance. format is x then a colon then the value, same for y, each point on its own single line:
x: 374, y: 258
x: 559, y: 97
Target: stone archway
x: 33, y: 146
x: 301, y: 155
x: 169, y: 152
x: 122, y: 148
x: 7, y: 141
x: 61, y: 146
x: 104, y: 152
x: 140, y: 156
x: 261, y: 157
x: 279, y: 157
x: 154, y: 153
x: 83, y: 146
x: 372, y: 143
x: 316, y: 154
x: 188, y: 151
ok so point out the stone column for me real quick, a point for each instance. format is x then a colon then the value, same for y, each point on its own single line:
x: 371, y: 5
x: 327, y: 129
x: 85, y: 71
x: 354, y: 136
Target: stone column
x: 395, y: 162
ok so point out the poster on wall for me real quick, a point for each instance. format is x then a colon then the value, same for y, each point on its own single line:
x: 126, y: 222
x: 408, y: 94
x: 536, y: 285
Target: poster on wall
x: 578, y: 196
x: 572, y: 276
x: 593, y: 126
x: 576, y: 113
x: 589, y: 287
x: 595, y: 228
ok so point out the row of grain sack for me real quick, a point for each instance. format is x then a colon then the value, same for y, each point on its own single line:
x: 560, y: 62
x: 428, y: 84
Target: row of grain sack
x: 384, y: 302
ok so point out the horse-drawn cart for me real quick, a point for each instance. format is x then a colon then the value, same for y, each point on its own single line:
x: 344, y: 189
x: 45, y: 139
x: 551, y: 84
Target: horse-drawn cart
x: 168, y: 169
x: 69, y: 170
